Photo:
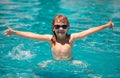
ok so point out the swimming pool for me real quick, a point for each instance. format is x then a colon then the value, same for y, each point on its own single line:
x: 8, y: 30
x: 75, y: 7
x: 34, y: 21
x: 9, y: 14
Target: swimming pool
x: 95, y: 56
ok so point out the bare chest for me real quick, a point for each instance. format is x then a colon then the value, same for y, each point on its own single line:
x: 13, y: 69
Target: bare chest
x: 63, y: 48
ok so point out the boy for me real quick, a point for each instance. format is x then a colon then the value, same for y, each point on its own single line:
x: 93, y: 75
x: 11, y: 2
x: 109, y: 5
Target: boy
x: 61, y: 42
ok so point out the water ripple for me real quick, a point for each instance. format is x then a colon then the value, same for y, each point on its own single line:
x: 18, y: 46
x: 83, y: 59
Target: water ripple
x: 13, y: 13
x: 100, y: 50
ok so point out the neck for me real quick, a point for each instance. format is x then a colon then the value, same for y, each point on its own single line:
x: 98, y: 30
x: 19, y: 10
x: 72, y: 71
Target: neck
x: 61, y: 38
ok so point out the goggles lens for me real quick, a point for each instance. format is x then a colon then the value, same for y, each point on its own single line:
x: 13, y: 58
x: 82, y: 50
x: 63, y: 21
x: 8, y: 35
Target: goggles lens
x: 58, y: 26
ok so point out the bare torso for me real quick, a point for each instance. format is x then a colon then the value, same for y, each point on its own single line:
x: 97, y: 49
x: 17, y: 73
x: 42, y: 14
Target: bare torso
x: 62, y: 49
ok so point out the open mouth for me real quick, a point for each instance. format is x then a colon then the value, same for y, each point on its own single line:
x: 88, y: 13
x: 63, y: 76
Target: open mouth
x: 61, y: 32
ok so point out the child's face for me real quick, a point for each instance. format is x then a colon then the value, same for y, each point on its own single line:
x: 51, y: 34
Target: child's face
x: 60, y: 29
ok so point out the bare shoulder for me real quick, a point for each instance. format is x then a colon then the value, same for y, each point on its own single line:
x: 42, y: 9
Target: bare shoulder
x: 72, y: 37
x: 75, y: 36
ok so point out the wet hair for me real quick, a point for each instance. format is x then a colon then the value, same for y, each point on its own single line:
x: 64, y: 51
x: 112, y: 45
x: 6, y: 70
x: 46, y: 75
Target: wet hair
x: 59, y: 19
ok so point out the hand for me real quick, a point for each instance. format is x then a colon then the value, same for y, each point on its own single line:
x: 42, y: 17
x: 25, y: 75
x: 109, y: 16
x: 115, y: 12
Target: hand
x: 110, y: 24
x: 9, y: 31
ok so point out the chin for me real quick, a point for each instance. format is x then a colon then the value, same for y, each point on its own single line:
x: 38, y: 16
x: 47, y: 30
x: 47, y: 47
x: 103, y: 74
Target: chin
x: 61, y: 35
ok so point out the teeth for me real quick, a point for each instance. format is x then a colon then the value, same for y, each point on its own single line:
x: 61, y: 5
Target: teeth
x: 60, y: 31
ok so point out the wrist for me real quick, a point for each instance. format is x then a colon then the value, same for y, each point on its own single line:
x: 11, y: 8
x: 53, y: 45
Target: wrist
x: 13, y: 31
x: 107, y: 25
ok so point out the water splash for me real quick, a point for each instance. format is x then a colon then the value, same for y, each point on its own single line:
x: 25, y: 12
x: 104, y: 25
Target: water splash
x: 20, y: 53
x: 44, y: 63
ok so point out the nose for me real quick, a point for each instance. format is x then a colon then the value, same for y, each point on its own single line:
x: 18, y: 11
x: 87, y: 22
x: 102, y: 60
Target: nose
x: 60, y: 28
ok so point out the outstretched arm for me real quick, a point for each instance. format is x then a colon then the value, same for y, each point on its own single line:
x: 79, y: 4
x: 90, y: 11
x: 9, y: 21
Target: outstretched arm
x: 10, y: 32
x: 92, y: 30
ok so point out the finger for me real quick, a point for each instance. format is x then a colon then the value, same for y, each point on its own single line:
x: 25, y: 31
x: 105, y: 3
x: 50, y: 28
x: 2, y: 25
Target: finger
x: 8, y: 27
x: 112, y: 25
x: 5, y: 34
x: 6, y: 31
x: 111, y: 19
x: 8, y: 35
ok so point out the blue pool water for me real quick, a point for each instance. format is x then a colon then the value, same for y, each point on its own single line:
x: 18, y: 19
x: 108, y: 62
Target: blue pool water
x: 95, y: 56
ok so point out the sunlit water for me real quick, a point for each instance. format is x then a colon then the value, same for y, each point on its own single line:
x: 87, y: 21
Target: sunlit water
x: 95, y: 56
